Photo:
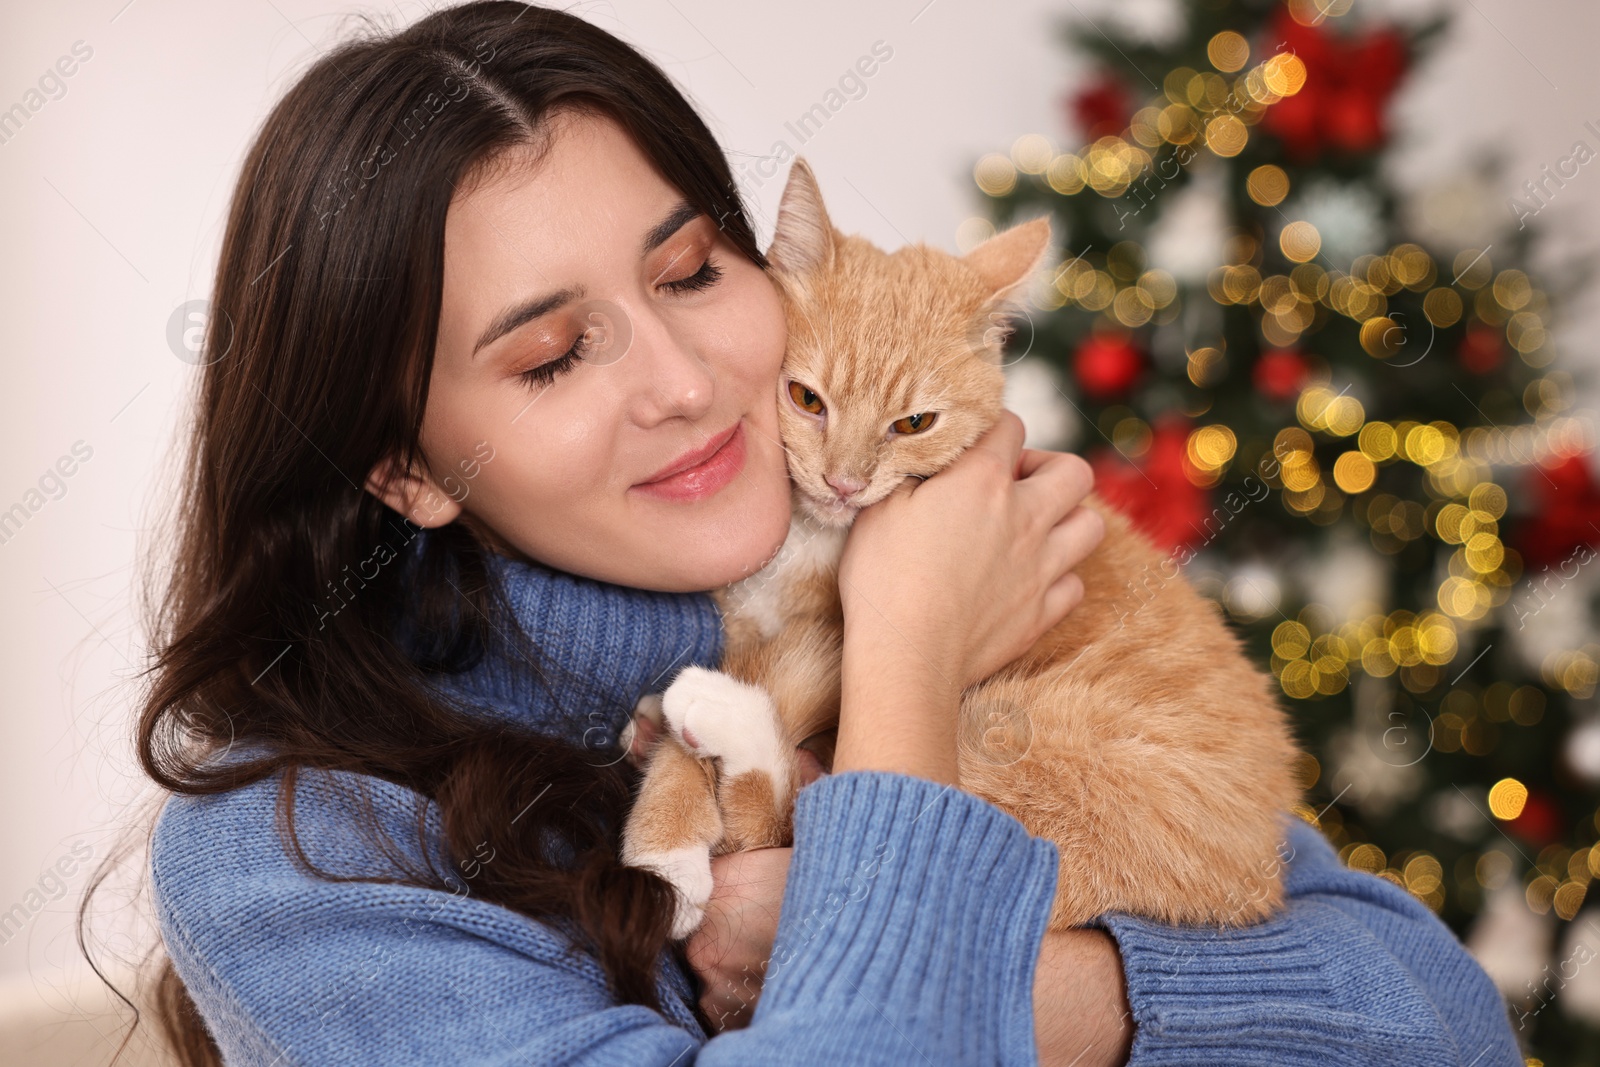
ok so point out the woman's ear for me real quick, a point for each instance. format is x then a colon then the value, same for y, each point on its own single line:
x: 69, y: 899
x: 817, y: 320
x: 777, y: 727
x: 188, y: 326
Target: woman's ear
x: 416, y: 496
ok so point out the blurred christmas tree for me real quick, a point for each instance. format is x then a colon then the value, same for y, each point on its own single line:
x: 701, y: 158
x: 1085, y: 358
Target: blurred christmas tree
x: 1356, y: 441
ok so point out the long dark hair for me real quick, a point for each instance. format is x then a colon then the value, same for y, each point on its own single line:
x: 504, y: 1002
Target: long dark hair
x: 317, y: 362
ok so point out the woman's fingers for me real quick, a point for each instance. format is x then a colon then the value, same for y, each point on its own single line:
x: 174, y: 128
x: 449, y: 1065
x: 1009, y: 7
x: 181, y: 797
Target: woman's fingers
x: 1030, y: 459
x: 1061, y: 479
x: 1063, y: 595
x: 1067, y: 545
x: 1004, y: 439
x: 642, y: 739
x: 810, y: 766
x: 1075, y: 537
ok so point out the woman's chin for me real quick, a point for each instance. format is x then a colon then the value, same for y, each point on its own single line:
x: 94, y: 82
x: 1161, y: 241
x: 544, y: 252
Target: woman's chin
x: 719, y: 549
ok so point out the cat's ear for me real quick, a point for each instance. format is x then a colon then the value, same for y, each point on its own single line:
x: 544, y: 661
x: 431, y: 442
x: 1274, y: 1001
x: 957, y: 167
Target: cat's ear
x: 803, y: 238
x: 1007, y: 261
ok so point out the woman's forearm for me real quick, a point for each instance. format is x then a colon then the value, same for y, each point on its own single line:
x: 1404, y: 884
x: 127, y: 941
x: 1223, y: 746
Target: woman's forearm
x: 1080, y: 1001
x: 896, y: 712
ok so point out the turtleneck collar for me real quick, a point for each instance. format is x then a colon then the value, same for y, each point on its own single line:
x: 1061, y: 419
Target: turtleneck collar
x: 600, y: 646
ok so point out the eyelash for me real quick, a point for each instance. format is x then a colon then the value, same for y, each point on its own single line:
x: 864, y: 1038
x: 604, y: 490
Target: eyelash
x: 545, y: 373
x: 704, y: 278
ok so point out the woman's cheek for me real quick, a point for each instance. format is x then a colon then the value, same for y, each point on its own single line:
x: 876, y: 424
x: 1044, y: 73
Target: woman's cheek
x: 760, y: 348
x: 756, y: 310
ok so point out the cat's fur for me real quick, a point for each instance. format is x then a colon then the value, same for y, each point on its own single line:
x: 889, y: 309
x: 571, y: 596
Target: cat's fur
x: 1135, y: 735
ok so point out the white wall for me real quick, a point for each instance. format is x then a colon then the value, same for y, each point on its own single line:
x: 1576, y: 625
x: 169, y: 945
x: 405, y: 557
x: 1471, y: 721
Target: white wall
x: 112, y: 199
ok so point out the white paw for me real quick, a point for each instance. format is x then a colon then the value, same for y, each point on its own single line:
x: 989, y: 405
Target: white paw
x: 716, y: 715
x: 689, y: 870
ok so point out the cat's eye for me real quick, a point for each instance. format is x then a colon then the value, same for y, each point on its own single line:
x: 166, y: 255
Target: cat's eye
x: 805, y: 398
x: 914, y: 423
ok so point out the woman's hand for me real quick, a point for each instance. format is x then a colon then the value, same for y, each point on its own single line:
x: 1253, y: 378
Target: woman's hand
x: 946, y: 583
x: 731, y: 948
x: 971, y: 566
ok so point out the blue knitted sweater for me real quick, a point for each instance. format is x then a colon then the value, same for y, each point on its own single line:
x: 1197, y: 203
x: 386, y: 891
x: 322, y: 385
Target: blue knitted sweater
x: 909, y: 931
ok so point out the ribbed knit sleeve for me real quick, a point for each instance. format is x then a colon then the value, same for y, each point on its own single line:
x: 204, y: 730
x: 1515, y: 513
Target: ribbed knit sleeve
x: 1354, y: 971
x: 910, y: 927
x: 909, y: 931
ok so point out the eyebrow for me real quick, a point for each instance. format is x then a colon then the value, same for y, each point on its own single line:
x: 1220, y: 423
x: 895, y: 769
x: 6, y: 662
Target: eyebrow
x: 680, y: 214
x: 528, y: 310
x: 518, y: 314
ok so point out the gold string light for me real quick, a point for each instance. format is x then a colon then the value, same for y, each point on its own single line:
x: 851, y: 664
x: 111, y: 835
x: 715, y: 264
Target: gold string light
x: 1462, y: 506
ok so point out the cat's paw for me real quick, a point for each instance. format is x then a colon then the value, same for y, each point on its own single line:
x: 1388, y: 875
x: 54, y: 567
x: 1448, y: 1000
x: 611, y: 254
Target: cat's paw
x: 688, y: 868
x: 716, y: 715
x: 648, y: 707
x: 639, y: 735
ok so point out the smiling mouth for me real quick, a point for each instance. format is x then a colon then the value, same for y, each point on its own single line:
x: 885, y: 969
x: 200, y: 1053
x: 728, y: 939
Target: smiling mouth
x: 694, y: 458
x: 702, y: 473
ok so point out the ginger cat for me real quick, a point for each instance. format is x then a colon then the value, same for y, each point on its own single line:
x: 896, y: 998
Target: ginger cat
x: 1135, y: 734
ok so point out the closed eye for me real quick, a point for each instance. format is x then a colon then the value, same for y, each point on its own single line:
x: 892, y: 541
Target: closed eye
x: 545, y: 373
x: 549, y: 371
x: 704, y: 278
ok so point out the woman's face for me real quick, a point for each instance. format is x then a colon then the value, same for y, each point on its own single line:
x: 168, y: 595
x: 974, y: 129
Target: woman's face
x: 565, y: 454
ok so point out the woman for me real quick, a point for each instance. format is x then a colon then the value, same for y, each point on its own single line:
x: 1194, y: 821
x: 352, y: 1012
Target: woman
x: 493, y: 407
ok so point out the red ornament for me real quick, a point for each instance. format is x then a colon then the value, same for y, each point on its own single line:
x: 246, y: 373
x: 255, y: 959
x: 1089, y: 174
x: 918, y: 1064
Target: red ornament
x: 1482, y: 349
x: 1280, y: 373
x: 1107, y: 365
x: 1156, y: 492
x: 1566, y: 512
x: 1349, y: 80
x: 1103, y: 108
x: 1538, y: 820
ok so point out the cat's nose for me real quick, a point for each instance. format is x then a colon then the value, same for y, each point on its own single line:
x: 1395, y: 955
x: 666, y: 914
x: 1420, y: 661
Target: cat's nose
x: 845, y: 486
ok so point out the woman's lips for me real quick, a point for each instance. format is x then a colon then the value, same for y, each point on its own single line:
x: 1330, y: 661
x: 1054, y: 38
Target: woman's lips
x: 704, y: 478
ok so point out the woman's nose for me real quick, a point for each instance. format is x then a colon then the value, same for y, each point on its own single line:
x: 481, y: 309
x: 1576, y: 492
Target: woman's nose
x: 668, y: 378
